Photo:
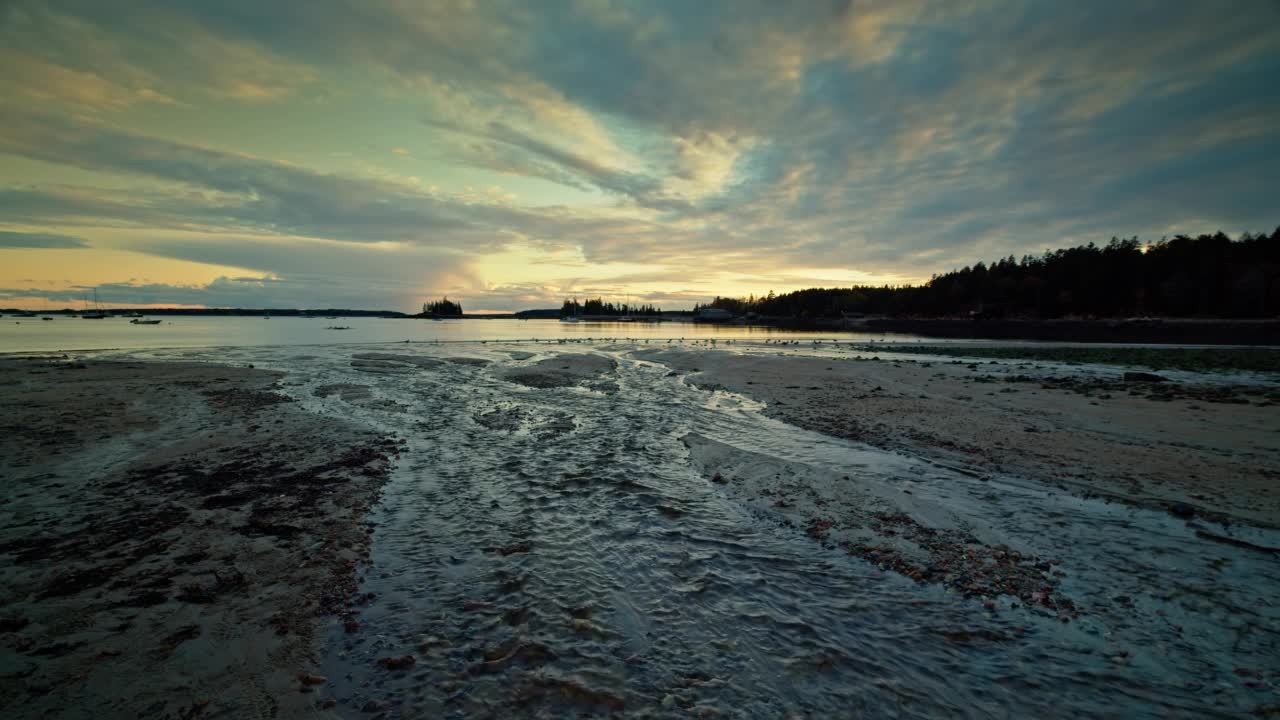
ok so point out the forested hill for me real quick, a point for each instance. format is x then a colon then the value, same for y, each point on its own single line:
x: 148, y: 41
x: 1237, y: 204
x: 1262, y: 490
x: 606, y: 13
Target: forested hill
x: 1205, y: 276
x: 598, y: 307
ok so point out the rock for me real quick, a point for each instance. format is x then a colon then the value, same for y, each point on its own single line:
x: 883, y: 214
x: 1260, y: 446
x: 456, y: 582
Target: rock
x: 1144, y: 377
x: 398, y: 663
x: 1182, y: 510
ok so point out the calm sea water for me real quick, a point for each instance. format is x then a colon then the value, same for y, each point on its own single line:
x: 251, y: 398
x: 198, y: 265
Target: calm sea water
x: 65, y: 333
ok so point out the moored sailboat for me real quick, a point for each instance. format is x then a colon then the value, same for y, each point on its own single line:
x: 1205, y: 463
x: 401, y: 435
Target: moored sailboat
x: 97, y: 313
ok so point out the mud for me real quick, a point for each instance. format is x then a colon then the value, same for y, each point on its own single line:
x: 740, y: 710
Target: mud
x: 172, y: 535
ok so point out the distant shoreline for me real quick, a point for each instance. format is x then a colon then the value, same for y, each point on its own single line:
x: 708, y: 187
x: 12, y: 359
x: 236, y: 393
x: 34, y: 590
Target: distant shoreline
x: 1194, y: 331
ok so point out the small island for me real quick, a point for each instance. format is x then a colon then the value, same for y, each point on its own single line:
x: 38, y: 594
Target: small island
x: 444, y: 307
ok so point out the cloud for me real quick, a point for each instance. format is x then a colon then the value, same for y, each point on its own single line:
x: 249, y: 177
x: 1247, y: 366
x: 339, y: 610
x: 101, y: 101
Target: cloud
x: 83, y: 55
x: 226, y: 192
x: 49, y: 241
x: 233, y: 190
x: 539, y: 158
x: 890, y: 137
x: 309, y: 258
x: 285, y: 273
x: 248, y: 292
x: 38, y: 81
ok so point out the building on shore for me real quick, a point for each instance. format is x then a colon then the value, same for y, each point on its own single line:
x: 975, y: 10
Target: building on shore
x: 712, y: 315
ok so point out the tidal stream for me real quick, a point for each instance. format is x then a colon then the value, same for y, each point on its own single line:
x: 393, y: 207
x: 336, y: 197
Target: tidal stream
x: 553, y: 552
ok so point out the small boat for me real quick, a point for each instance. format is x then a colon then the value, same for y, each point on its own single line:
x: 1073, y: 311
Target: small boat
x: 140, y: 321
x: 25, y: 314
x: 338, y: 327
x: 97, y: 313
x: 46, y: 318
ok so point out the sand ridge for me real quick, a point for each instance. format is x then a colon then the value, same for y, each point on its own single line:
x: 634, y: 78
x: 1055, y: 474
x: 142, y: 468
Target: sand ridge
x: 1154, y: 445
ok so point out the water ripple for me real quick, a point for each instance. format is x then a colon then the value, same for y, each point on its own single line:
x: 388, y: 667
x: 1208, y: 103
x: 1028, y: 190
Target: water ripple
x: 543, y: 567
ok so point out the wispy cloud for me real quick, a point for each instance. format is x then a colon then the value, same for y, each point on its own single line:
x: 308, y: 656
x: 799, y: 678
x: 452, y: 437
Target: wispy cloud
x: 9, y: 239
x: 222, y: 188
x: 256, y: 292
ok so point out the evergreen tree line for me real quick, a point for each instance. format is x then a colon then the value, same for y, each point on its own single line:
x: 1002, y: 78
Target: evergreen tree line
x: 598, y: 306
x: 442, y: 307
x: 1205, y: 276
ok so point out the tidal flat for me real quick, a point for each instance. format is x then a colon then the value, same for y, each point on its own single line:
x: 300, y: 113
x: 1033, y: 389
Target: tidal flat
x: 634, y: 529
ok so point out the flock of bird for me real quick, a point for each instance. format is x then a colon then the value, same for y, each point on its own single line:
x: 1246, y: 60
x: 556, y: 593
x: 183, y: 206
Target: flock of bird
x: 708, y: 342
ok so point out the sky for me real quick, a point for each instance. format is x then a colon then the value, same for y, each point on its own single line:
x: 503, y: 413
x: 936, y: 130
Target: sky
x: 508, y: 154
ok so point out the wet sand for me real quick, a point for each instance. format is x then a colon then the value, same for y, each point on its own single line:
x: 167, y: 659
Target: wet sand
x: 565, y: 370
x: 172, y: 535
x: 1209, y: 448
x: 578, y: 533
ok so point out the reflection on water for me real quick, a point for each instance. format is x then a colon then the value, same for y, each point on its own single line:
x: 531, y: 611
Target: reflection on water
x: 65, y: 333
x: 550, y: 552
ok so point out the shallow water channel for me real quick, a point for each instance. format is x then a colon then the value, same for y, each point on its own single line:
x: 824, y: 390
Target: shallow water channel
x: 553, y: 552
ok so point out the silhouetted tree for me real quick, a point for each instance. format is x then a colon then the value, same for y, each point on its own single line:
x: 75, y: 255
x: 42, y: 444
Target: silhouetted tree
x: 599, y: 307
x: 1206, y: 276
x: 442, y: 307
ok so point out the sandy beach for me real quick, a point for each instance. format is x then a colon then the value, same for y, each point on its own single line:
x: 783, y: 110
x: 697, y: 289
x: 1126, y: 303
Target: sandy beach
x: 173, y: 534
